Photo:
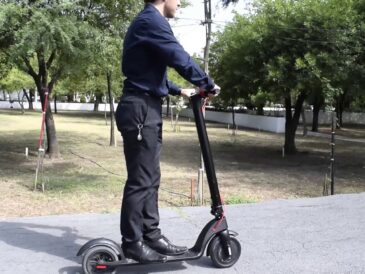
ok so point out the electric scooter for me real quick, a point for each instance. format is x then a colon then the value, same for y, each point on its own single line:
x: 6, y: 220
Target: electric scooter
x: 104, y: 255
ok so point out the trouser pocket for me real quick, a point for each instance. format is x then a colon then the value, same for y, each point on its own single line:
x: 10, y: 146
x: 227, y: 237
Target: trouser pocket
x: 130, y: 114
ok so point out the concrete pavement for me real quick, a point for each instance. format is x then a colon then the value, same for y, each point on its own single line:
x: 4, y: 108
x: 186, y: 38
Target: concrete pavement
x: 319, y: 235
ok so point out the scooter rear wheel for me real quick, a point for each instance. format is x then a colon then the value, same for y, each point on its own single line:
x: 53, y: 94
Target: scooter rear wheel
x: 97, y: 256
x: 217, y: 253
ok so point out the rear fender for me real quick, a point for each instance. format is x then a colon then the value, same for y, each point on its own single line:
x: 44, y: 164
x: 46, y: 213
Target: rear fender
x: 101, y: 242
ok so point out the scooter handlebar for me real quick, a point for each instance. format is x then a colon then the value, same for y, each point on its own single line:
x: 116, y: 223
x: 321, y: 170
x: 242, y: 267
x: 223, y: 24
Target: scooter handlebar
x: 214, y: 92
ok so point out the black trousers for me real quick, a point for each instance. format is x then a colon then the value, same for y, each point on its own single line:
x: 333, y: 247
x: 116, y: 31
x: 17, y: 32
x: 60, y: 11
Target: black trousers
x: 139, y: 213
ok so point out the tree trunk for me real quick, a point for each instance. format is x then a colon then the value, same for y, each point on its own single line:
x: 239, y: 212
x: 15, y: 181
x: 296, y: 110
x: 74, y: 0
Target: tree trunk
x: 31, y: 98
x: 316, y: 108
x: 111, y: 103
x: 317, y: 104
x: 260, y: 110
x: 52, y: 143
x: 291, y: 123
x: 340, y: 102
x: 52, y: 149
x: 340, y: 106
x: 233, y: 120
x: 55, y: 103
x: 304, y: 122
x: 168, y: 106
x: 98, y: 100
x: 70, y: 97
x: 21, y: 103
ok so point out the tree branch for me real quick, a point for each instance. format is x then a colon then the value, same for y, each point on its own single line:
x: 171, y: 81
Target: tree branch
x: 26, y: 94
x: 30, y: 69
x: 51, y: 58
x: 298, y: 105
x: 54, y: 79
x: 41, y: 62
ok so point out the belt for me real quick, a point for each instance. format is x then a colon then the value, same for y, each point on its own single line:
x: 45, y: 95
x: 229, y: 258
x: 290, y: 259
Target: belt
x: 139, y: 92
x: 136, y: 92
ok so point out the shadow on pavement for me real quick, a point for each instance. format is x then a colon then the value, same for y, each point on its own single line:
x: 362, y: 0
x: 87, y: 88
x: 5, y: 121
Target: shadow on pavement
x: 71, y: 270
x: 59, y: 241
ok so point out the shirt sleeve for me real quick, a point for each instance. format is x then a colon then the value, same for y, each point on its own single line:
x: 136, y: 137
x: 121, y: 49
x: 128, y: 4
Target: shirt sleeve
x: 163, y: 41
x: 173, y: 89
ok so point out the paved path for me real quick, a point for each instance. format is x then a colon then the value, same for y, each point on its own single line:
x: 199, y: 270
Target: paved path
x: 320, y: 235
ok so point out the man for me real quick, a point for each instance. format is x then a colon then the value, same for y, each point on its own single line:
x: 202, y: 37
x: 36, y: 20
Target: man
x: 149, y: 47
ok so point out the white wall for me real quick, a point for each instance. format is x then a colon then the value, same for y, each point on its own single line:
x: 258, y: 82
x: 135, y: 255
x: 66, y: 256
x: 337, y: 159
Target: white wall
x: 266, y: 123
x: 60, y: 106
x: 326, y: 117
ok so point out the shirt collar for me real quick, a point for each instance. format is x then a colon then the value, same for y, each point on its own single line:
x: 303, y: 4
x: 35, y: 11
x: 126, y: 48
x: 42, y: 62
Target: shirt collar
x: 152, y: 6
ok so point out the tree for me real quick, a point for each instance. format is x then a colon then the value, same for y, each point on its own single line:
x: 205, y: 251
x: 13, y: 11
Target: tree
x: 52, y: 39
x: 350, y: 76
x: 18, y: 81
x: 286, y: 48
x: 48, y: 42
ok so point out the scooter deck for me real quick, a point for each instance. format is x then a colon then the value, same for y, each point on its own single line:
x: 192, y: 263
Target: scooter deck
x: 188, y: 255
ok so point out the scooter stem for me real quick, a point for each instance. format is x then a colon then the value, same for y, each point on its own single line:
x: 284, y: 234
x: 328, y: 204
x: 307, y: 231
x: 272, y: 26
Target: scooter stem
x: 217, y: 209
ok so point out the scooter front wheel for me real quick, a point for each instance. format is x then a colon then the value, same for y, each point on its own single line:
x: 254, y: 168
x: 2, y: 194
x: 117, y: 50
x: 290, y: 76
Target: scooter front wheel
x: 93, y: 259
x: 218, y: 255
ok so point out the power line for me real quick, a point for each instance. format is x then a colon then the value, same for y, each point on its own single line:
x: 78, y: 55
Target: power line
x: 200, y: 20
x: 187, y: 25
x: 185, y: 18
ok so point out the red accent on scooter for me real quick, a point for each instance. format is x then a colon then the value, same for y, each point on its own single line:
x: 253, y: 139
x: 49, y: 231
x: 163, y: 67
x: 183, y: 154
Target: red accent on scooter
x: 218, y: 222
x: 202, y: 109
x: 101, y: 267
x: 221, y: 219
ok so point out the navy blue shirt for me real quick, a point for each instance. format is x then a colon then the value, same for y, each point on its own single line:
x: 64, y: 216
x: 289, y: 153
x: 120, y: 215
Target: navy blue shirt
x: 149, y: 48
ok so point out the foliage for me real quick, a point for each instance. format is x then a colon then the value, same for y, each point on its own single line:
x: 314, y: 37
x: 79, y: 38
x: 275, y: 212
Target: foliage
x: 228, y: 2
x: 55, y: 40
x: 5, y: 65
x: 16, y: 80
x: 290, y: 50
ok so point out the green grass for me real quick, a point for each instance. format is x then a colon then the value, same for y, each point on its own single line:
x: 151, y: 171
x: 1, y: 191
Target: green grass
x: 90, y: 174
x: 83, y: 141
x: 233, y: 200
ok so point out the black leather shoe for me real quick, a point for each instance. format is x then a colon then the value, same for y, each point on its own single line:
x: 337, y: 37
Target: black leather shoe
x: 164, y: 246
x: 142, y: 253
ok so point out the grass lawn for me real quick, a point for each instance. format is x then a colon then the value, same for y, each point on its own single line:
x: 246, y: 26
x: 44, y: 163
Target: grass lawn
x: 90, y: 175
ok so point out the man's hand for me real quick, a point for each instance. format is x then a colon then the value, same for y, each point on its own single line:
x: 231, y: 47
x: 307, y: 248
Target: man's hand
x: 215, y: 91
x: 188, y: 92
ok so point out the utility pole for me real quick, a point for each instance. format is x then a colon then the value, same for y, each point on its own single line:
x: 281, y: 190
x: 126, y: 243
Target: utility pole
x: 208, y: 30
